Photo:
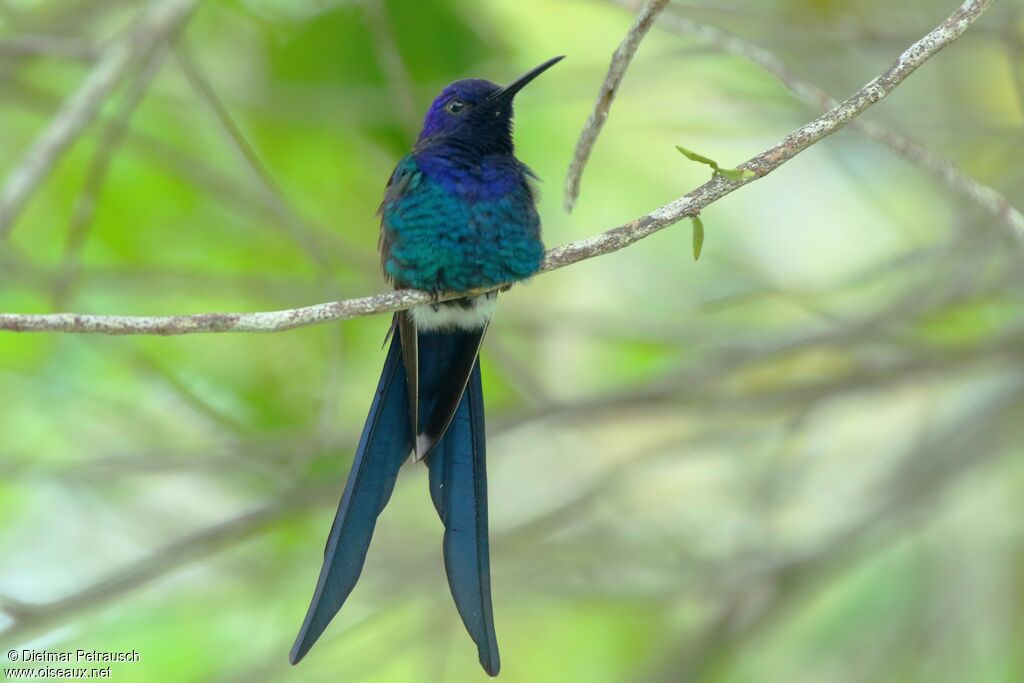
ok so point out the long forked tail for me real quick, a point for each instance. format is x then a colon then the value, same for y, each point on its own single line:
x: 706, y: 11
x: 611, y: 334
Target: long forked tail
x: 386, y: 443
x: 458, y: 488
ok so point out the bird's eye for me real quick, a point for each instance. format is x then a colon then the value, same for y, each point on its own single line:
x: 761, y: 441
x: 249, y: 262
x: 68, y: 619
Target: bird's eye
x: 456, y: 106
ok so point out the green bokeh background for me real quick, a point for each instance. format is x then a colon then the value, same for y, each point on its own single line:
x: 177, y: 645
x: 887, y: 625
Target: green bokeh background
x: 797, y: 459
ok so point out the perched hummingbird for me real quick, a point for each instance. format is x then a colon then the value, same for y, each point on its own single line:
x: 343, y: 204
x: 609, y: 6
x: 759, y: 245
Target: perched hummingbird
x: 459, y: 213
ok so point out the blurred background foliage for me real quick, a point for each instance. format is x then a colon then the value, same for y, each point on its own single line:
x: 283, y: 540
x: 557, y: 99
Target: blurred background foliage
x: 798, y: 459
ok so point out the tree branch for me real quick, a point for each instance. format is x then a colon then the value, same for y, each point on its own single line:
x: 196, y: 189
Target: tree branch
x: 604, y: 243
x: 616, y: 71
x: 161, y: 18
x: 987, y: 198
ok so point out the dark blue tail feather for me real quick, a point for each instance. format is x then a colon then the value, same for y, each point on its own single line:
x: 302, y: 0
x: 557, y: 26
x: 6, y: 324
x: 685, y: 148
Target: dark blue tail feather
x: 458, y: 488
x: 386, y: 443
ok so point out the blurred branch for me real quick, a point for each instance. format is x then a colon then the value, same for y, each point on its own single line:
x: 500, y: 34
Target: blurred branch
x: 855, y: 341
x: 916, y: 480
x: 96, y: 176
x: 955, y: 179
x: 294, y: 226
x: 198, y: 173
x: 160, y: 19
x: 186, y: 393
x: 765, y: 589
x: 8, y: 13
x: 48, y: 46
x: 15, y: 609
x: 616, y: 72
x: 403, y: 95
x: 30, y: 618
x: 604, y: 243
x: 722, y: 383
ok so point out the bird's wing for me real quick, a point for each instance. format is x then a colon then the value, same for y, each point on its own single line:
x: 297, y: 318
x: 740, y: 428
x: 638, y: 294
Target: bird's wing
x: 386, y: 443
x: 458, y: 488
x: 402, y: 179
x: 410, y: 356
x: 403, y: 175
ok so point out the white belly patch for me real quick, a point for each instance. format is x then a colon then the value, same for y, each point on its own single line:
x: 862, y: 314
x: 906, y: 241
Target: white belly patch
x: 456, y: 315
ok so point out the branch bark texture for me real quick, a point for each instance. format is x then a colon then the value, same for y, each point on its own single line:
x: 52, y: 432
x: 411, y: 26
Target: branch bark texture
x: 983, y: 196
x: 604, y: 243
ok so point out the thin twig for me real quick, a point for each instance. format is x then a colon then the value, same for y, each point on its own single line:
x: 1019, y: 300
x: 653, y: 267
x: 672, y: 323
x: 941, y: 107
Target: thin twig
x: 620, y: 62
x: 159, y: 20
x: 604, y: 243
x: 963, y: 184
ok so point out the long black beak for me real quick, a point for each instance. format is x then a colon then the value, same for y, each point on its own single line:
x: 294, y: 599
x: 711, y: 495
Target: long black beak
x: 510, y: 90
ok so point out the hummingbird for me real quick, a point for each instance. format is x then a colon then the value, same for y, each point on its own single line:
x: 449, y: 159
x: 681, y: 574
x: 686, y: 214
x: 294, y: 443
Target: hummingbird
x: 459, y: 213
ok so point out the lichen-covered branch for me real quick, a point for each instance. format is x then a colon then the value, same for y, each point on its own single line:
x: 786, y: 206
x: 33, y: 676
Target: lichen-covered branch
x: 604, y: 243
x: 985, y: 197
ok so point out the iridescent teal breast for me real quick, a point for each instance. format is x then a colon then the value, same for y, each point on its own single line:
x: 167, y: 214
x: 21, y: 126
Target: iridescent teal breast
x: 449, y: 225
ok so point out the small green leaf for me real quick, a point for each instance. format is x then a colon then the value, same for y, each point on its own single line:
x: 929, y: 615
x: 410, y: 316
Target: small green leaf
x: 699, y: 158
x: 698, y: 236
x: 733, y: 174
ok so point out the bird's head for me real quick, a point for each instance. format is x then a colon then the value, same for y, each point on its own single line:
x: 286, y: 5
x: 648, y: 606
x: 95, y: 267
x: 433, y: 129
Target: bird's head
x: 476, y: 112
